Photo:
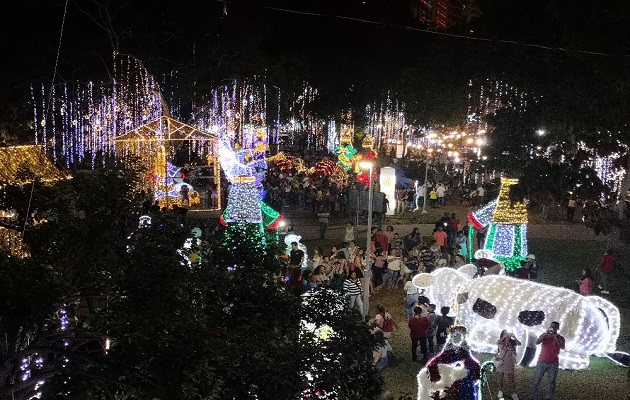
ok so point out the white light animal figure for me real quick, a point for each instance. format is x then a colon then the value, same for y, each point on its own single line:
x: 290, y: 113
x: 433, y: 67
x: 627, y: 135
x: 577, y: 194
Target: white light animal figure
x: 490, y: 304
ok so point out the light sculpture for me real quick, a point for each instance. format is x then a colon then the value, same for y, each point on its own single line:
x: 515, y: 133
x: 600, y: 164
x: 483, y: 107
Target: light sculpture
x: 388, y: 186
x: 243, y: 168
x: 506, y: 221
x: 493, y: 303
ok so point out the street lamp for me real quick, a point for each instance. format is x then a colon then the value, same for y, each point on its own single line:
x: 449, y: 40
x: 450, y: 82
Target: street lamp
x: 426, y: 177
x: 368, y: 269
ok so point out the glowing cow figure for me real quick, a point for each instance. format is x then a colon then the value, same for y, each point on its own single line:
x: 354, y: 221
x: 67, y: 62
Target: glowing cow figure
x: 493, y: 303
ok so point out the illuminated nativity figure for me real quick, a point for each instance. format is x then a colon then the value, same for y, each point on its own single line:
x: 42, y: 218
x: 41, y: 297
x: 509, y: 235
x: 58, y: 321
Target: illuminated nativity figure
x: 244, y: 169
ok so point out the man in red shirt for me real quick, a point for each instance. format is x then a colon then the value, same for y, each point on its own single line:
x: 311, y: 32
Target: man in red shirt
x: 383, y: 240
x: 548, y: 361
x: 418, y: 329
x: 606, y: 267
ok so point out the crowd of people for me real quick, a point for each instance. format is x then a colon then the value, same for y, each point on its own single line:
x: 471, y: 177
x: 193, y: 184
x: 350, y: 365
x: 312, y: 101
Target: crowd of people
x: 395, y: 258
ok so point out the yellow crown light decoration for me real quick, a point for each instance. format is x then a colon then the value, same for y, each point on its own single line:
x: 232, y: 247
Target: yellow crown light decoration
x: 368, y: 142
x: 346, y: 135
x: 507, y: 211
x: 506, y: 221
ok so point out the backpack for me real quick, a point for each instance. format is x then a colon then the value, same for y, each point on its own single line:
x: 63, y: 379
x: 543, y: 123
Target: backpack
x: 388, y: 324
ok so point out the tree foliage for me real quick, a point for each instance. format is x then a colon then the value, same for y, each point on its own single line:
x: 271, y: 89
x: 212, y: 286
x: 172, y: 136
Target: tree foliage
x: 151, y: 318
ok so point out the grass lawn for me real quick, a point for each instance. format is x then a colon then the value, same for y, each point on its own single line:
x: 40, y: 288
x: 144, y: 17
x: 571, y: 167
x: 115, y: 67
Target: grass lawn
x: 561, y: 262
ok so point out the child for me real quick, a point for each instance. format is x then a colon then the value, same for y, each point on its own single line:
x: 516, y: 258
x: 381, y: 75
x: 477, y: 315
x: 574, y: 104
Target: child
x: 586, y: 282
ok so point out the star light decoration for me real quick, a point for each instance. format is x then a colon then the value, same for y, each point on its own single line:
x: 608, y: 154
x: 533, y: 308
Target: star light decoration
x: 506, y: 222
x: 490, y: 304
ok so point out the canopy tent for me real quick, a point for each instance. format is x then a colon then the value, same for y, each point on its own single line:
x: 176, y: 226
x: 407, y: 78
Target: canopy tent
x: 156, y: 143
x: 22, y: 164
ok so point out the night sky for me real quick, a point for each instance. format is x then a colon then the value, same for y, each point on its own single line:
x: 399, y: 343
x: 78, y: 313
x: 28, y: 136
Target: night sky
x: 332, y: 53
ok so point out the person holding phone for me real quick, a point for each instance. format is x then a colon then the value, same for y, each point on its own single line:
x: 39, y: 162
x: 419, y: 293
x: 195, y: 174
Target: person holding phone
x: 552, y: 342
x: 507, y: 355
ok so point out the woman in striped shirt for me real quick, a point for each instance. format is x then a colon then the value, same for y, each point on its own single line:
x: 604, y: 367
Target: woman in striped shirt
x: 352, y: 288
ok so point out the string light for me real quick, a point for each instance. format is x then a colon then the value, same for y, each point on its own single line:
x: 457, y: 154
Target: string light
x: 490, y: 304
x: 452, y: 373
x: 22, y: 164
x: 507, y: 226
x: 89, y: 116
x: 11, y: 243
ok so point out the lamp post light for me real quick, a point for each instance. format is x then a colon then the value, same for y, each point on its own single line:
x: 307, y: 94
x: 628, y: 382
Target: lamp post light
x: 426, y: 176
x: 368, y: 268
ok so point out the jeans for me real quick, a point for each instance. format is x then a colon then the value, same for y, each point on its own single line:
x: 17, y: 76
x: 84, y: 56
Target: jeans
x: 543, y: 368
x: 378, y: 276
x: 604, y: 275
x: 430, y: 340
x: 323, y: 226
x: 392, y: 277
x: 419, y: 202
x: 410, y: 303
x: 356, y: 302
x: 423, y: 348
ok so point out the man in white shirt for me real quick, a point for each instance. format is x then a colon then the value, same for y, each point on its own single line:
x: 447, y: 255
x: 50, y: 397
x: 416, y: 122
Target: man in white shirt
x: 571, y: 208
x: 419, y: 196
x: 411, y: 297
x: 480, y: 193
x: 393, y: 270
x: 441, y: 192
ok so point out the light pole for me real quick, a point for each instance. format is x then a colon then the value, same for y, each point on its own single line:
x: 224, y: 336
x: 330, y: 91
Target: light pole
x: 424, y: 185
x: 368, y: 268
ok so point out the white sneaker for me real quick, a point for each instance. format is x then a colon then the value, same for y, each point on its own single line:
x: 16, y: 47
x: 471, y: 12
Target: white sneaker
x: 605, y: 292
x: 514, y: 396
x: 500, y: 395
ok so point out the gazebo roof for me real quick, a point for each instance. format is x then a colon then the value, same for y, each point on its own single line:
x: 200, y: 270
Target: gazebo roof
x: 19, y: 164
x: 164, y: 129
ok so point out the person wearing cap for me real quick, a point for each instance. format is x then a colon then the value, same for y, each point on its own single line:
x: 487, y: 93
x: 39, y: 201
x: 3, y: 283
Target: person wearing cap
x: 532, y: 267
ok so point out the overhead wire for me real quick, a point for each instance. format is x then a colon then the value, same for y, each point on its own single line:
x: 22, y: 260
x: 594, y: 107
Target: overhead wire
x: 425, y: 30
x: 50, y: 92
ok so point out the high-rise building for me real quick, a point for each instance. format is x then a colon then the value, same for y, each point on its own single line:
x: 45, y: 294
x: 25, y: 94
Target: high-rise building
x: 437, y: 14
